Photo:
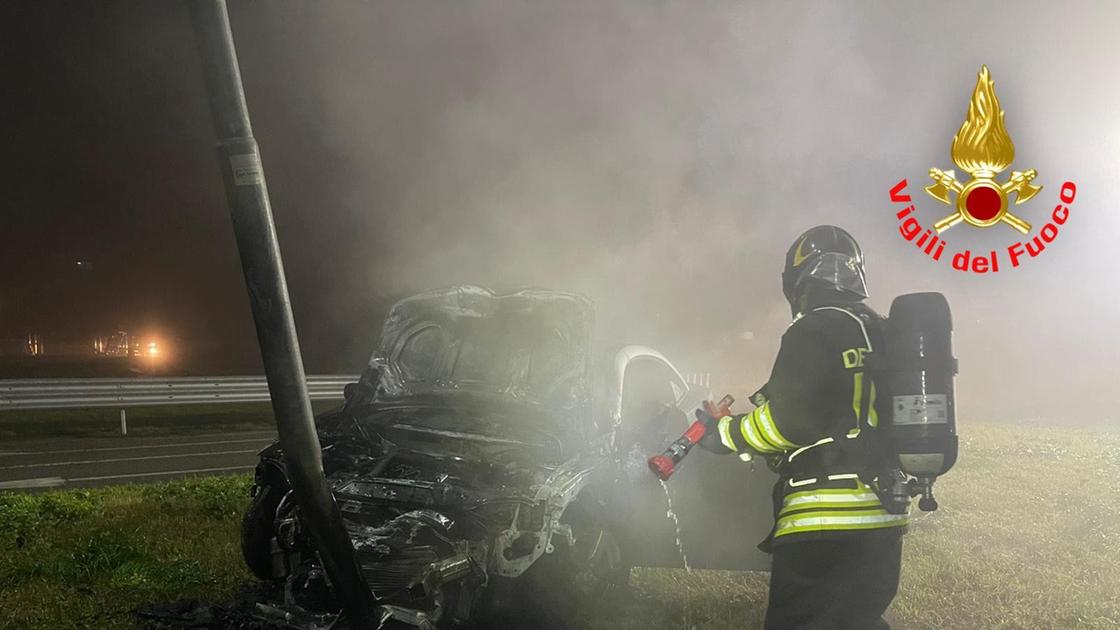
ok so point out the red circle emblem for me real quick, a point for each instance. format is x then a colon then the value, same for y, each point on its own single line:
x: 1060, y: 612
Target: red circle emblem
x: 983, y: 203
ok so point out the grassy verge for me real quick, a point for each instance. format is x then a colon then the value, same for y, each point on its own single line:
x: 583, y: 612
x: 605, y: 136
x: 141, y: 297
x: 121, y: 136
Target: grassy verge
x: 1027, y: 537
x: 85, y: 558
x: 159, y: 420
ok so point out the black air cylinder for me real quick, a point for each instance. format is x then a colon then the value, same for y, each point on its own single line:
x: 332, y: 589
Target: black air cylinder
x: 922, y: 420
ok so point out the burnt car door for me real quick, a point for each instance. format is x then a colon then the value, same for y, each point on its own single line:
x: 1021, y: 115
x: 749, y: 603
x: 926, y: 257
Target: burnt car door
x: 722, y: 505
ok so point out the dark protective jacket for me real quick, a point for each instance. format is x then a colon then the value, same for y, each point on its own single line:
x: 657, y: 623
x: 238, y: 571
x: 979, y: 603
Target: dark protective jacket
x: 816, y: 422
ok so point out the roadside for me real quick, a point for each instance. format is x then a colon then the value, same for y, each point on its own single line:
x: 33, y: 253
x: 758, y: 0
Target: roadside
x: 1026, y: 537
x: 97, y: 461
x: 86, y: 558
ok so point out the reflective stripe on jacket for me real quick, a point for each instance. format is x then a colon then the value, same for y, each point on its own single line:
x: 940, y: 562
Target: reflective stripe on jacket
x: 817, y: 424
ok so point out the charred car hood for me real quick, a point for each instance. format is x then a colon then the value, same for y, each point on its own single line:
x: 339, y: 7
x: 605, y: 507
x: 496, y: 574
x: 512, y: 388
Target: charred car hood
x: 530, y: 345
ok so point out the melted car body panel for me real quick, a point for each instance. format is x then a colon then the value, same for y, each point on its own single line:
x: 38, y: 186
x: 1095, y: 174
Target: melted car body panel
x: 476, y: 445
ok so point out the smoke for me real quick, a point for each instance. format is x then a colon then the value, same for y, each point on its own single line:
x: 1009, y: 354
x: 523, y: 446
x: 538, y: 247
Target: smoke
x: 660, y: 157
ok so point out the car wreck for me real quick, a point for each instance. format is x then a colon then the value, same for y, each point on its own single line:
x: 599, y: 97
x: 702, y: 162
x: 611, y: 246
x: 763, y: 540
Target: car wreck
x: 488, y: 463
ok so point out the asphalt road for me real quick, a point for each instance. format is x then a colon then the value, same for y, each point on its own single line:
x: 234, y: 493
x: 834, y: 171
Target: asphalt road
x: 88, y: 462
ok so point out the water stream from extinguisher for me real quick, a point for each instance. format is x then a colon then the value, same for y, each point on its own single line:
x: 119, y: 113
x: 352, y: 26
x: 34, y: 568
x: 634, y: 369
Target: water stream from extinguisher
x: 676, y: 524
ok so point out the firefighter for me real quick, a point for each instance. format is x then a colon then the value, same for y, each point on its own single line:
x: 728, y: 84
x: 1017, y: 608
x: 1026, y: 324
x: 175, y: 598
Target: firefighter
x: 836, y: 550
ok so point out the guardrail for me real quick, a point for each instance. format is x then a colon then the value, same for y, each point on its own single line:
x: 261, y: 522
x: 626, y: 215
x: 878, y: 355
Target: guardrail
x: 76, y: 393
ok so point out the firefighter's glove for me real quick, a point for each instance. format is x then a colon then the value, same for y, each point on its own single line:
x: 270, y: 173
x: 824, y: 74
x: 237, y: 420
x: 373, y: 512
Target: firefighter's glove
x: 711, y: 423
x: 758, y: 398
x: 711, y: 441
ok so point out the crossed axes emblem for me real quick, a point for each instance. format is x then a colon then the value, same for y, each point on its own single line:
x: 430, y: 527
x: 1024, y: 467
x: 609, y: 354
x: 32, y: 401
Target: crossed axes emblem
x: 984, y: 192
x: 982, y: 148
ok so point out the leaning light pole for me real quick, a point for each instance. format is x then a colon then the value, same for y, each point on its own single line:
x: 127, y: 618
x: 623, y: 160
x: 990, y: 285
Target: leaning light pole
x: 240, y: 163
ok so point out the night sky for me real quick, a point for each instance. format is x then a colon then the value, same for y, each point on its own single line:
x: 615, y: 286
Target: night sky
x: 657, y: 156
x: 109, y: 161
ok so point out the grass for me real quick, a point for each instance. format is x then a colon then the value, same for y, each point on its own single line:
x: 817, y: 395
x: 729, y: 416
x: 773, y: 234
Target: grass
x: 86, y: 558
x: 158, y: 420
x: 1027, y: 537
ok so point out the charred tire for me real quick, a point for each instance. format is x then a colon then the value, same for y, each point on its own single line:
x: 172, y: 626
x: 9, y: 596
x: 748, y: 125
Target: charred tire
x: 599, y: 561
x: 257, y: 531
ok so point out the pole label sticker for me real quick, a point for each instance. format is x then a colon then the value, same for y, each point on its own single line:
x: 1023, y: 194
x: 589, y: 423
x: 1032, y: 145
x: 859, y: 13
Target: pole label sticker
x: 246, y: 169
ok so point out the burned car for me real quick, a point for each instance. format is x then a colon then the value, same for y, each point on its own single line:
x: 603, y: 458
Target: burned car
x: 485, y: 461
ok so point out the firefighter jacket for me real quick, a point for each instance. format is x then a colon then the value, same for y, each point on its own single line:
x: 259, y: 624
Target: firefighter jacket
x: 816, y: 423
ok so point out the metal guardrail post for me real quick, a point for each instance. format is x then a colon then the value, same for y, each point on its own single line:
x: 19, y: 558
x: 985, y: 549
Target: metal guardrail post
x: 239, y: 159
x: 124, y: 422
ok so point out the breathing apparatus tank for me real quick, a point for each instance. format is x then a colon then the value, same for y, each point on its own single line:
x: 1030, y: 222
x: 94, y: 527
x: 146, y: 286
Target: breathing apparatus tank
x: 916, y: 379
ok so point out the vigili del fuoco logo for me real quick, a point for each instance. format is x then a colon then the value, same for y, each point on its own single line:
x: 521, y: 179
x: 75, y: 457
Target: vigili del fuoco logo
x: 983, y: 149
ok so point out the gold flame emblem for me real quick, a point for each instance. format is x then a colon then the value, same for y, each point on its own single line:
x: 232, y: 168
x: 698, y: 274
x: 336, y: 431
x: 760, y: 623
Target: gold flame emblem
x: 983, y: 149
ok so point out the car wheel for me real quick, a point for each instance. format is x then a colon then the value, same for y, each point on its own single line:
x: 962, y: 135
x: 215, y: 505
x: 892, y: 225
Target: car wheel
x: 257, y: 531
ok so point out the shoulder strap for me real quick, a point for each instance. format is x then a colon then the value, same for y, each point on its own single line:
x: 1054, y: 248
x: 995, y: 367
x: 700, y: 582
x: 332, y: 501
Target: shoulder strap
x: 862, y: 327
x: 864, y: 411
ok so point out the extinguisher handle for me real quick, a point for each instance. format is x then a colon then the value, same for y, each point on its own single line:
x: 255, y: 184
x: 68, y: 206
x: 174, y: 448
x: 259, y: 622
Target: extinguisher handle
x: 665, y: 464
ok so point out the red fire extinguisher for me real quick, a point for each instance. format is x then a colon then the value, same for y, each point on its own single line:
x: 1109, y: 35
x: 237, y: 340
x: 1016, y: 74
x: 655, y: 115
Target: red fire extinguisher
x: 665, y: 464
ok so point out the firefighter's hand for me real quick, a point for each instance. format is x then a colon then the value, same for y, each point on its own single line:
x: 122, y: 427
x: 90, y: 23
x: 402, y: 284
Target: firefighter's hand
x: 711, y: 440
x: 758, y: 398
x: 706, y: 415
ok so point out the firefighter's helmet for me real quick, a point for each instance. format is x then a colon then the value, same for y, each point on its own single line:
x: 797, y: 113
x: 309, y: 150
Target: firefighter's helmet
x: 828, y: 255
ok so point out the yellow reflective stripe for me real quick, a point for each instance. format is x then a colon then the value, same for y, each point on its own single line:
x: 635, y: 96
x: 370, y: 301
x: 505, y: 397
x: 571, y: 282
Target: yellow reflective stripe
x: 851, y: 514
x: 752, y: 420
x: 857, y: 400
x: 830, y: 498
x: 829, y: 492
x: 857, y: 396
x: 801, y: 450
x: 750, y: 434
x: 872, y: 417
x: 836, y: 520
x: 807, y: 498
x: 769, y: 429
x: 725, y: 432
x: 880, y: 524
x: 828, y: 505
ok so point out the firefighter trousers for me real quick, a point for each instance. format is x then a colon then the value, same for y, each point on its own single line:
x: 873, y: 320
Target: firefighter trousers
x: 834, y: 584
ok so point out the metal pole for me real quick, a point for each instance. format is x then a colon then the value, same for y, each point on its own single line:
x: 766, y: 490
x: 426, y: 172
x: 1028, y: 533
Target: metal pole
x: 124, y: 423
x: 239, y: 160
